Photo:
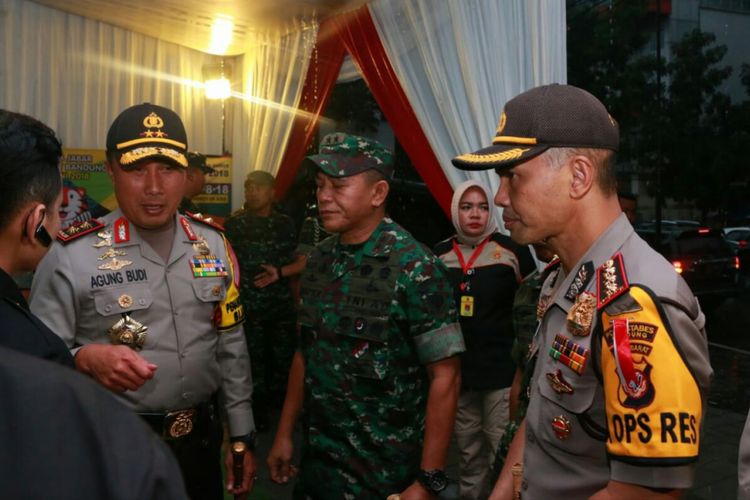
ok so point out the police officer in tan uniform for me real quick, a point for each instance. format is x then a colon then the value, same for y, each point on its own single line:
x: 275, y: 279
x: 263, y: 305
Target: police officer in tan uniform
x: 147, y: 301
x: 618, y: 392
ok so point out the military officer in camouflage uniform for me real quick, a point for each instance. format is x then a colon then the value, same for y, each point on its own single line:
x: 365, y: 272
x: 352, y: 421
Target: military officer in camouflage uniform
x: 147, y: 301
x: 265, y: 241
x: 377, y: 369
x: 619, y: 388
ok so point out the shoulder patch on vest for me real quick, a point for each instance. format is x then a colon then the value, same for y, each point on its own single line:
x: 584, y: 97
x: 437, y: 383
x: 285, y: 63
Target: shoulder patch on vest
x: 78, y: 230
x: 205, y: 220
x: 611, y: 281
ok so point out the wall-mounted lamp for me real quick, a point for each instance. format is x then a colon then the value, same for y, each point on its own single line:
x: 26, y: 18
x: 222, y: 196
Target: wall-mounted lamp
x: 216, y: 80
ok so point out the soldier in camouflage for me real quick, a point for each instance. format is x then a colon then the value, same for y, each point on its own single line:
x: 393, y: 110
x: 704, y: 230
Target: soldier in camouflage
x: 264, y: 241
x: 377, y: 368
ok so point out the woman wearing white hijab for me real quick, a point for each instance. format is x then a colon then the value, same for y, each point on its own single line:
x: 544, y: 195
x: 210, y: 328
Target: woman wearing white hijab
x: 485, y: 268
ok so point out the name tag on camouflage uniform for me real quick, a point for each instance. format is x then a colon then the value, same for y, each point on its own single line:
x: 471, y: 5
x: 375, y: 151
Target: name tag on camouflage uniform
x: 208, y: 266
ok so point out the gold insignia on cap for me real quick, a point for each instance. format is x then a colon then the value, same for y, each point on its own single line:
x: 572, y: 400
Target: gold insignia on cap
x: 511, y: 154
x: 501, y: 124
x: 140, y: 153
x: 125, y: 301
x: 153, y: 121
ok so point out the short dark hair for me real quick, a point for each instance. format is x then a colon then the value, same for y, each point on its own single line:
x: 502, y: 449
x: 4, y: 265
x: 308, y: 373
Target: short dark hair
x: 29, y: 164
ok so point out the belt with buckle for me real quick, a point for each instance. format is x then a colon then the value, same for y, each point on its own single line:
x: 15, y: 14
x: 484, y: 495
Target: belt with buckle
x: 178, y: 423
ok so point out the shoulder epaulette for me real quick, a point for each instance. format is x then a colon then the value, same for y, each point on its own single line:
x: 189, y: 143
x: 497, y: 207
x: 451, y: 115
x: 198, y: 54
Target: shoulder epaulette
x: 611, y: 281
x: 205, y: 220
x: 78, y: 230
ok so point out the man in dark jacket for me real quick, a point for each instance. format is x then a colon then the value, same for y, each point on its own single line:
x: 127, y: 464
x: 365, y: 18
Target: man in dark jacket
x: 30, y: 197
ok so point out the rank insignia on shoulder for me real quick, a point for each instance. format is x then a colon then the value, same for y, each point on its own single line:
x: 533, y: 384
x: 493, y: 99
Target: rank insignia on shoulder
x: 611, y: 281
x: 78, y: 230
x: 209, y: 221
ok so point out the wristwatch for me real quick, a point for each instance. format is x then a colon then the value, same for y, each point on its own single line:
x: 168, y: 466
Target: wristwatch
x: 433, y: 481
x: 248, y: 439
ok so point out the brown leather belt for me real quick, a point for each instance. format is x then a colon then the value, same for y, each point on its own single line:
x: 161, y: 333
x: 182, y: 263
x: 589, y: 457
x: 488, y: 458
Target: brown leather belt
x: 180, y: 423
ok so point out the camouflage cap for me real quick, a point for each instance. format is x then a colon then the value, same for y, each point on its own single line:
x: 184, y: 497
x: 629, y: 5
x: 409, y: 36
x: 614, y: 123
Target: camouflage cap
x: 343, y: 155
x: 260, y: 177
x: 550, y: 116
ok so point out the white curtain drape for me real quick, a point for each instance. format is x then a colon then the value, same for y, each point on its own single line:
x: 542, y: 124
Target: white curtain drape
x: 76, y: 75
x: 273, y: 73
x: 460, y: 61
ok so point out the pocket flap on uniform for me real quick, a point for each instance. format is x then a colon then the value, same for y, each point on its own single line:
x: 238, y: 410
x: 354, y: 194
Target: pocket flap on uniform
x: 368, y: 367
x: 116, y: 300
x: 209, y: 290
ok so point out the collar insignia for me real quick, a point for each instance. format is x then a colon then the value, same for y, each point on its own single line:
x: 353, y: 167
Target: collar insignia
x: 582, y: 279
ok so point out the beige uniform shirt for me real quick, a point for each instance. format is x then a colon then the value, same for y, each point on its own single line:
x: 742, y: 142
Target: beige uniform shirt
x: 624, y: 407
x: 82, y: 288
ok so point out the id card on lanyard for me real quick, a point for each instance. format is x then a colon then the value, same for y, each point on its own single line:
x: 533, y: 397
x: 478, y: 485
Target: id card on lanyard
x: 466, y: 308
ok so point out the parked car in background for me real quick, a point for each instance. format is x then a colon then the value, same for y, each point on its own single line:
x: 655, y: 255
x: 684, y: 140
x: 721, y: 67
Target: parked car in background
x: 702, y: 257
x: 737, y: 237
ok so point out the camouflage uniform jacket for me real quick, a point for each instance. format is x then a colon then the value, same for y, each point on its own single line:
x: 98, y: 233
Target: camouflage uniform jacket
x: 262, y: 240
x: 371, y: 316
x: 311, y: 234
x: 525, y: 317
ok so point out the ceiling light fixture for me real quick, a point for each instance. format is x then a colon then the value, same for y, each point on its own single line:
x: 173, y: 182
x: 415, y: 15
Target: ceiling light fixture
x: 221, y: 35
